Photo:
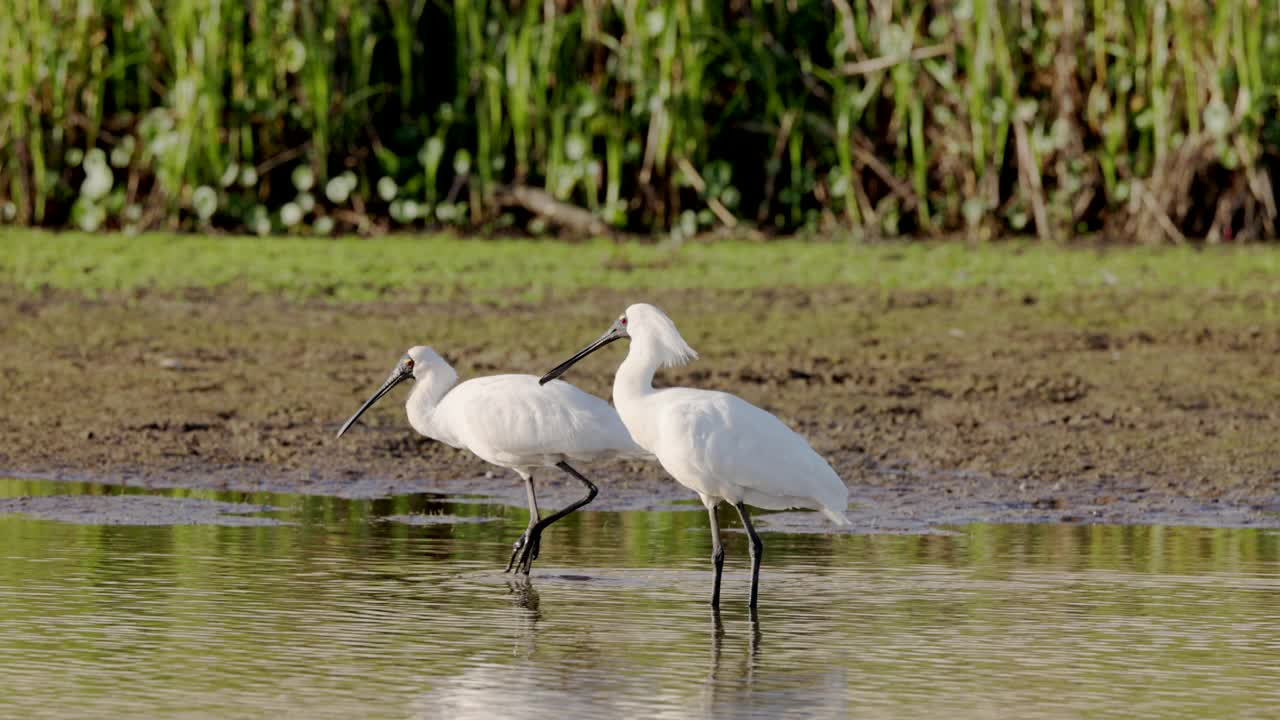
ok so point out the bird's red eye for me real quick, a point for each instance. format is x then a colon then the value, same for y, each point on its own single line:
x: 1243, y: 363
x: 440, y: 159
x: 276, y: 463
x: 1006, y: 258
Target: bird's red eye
x: 408, y: 362
x: 623, y: 319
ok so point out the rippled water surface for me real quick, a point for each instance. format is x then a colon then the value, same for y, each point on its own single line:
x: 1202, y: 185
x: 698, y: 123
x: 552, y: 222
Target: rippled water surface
x: 294, y: 606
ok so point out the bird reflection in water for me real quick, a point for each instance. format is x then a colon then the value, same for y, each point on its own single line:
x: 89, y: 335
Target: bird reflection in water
x: 725, y: 687
x: 525, y: 598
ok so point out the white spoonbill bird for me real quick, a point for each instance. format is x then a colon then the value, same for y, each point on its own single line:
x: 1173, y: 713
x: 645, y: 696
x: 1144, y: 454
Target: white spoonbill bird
x: 717, y: 444
x: 510, y: 421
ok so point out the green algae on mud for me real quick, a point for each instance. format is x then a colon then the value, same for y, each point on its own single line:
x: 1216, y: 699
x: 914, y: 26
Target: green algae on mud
x: 446, y: 268
x: 1062, y: 381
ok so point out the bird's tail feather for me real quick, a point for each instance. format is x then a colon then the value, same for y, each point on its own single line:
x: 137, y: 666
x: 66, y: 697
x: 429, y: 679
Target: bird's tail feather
x: 836, y: 517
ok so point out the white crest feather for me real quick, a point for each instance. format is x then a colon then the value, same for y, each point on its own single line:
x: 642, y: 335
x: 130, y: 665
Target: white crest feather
x: 647, y: 321
x: 427, y: 361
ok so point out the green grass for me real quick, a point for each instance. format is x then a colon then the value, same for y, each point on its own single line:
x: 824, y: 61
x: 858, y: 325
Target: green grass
x: 446, y: 267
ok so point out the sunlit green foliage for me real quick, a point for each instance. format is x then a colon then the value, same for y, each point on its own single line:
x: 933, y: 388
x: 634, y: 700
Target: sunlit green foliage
x: 1150, y: 121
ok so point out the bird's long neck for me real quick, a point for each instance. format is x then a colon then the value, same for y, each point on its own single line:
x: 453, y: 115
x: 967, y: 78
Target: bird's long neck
x: 634, y: 379
x: 427, y: 394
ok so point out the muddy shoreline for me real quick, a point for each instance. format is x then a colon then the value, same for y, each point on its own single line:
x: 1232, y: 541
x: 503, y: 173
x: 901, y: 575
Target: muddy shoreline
x: 936, y: 408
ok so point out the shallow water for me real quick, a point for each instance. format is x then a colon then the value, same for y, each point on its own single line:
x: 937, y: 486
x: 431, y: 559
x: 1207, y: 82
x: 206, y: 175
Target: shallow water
x: 315, y: 607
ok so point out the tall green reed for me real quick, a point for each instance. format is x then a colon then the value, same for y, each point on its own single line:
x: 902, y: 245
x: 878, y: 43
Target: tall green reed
x: 1146, y: 121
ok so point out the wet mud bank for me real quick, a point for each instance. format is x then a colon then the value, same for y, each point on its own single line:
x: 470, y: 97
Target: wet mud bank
x: 936, y: 408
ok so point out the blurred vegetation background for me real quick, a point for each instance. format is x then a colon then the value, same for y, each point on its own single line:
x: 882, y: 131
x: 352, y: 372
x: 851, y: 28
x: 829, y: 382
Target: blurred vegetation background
x: 1153, y: 121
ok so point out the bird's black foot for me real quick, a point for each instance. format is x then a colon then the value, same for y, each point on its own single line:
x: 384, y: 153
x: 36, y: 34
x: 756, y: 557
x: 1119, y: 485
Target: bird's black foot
x: 528, y: 552
x: 516, y: 547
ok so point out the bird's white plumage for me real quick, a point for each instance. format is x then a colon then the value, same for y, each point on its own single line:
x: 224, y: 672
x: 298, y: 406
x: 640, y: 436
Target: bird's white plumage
x: 717, y: 444
x: 511, y: 421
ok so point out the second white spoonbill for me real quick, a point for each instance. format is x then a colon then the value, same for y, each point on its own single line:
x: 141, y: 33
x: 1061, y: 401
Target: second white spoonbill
x: 510, y: 421
x: 716, y: 444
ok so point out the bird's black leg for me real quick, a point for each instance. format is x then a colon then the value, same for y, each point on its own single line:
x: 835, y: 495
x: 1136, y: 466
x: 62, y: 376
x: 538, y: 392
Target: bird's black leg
x: 533, y: 520
x: 717, y: 553
x: 530, y: 551
x: 757, y: 551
